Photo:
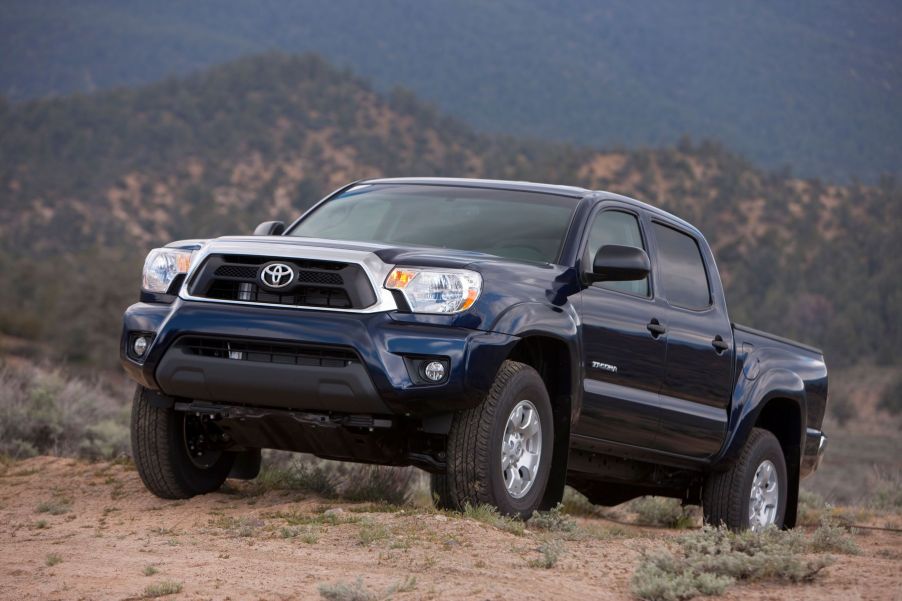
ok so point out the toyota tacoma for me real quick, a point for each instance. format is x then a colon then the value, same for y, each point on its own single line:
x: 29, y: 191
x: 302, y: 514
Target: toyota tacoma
x: 509, y: 338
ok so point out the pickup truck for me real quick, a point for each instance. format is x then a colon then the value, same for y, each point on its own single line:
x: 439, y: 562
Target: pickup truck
x: 509, y: 338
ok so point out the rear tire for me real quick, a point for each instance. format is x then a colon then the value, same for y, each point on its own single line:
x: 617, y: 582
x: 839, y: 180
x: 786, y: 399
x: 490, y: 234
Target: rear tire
x: 730, y: 498
x: 161, y: 453
x: 500, y: 432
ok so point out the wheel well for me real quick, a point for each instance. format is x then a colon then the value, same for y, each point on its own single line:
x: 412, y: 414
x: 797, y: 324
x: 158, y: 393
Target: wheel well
x: 551, y: 359
x: 782, y: 418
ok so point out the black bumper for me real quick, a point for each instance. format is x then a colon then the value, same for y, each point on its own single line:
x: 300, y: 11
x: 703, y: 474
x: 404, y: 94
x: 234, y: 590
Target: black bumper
x: 376, y: 381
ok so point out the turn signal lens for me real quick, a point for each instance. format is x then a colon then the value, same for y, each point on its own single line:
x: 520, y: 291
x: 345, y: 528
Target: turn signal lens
x: 436, y: 291
x: 398, y: 279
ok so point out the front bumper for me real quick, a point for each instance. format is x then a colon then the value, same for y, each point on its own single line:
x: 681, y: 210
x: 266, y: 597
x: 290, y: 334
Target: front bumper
x: 380, y: 383
x: 815, y: 446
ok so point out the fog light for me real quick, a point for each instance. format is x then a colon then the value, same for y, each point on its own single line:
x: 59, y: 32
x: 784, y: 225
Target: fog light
x: 434, y: 371
x: 140, y: 345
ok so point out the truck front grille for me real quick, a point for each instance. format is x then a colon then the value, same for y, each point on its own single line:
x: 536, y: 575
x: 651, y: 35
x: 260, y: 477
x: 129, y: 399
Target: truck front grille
x: 315, y: 283
x: 264, y: 351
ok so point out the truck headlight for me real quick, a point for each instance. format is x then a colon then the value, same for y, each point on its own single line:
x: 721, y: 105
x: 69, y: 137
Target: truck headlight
x: 162, y: 265
x: 436, y: 290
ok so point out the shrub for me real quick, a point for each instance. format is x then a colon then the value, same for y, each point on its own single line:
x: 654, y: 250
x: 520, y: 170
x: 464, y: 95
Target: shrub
x: 162, y: 588
x: 661, y: 511
x: 377, y: 483
x: 333, y: 479
x: 886, y: 493
x: 53, y: 559
x: 811, y: 508
x: 404, y: 586
x: 892, y: 397
x: 347, y: 591
x: 489, y: 515
x: 55, y: 506
x: 45, y: 411
x: 551, y: 551
x: 576, y: 503
x: 297, y: 475
x: 553, y: 520
x: 712, y: 559
x: 371, y: 532
x: 832, y: 537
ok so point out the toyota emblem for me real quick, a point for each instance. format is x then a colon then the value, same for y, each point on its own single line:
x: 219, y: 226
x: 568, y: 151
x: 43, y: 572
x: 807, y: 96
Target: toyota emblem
x: 277, y: 275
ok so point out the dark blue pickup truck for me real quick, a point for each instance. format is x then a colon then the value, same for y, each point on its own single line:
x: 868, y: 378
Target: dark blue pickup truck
x: 509, y: 338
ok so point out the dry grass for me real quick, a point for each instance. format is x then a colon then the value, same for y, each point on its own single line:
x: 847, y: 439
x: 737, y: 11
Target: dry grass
x: 162, y: 588
x: 487, y: 514
x: 55, y: 506
x: 347, y: 591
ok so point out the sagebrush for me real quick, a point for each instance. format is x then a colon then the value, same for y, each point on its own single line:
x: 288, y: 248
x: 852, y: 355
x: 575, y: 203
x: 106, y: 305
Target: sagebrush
x: 47, y: 411
x: 711, y: 559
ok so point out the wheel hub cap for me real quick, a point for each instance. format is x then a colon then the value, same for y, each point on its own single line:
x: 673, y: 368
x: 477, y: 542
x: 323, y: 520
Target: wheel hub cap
x: 521, y: 449
x: 764, y: 497
x: 198, y: 442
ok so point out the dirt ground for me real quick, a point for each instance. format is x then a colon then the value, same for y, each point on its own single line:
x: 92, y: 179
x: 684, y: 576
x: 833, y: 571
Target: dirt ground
x: 103, y: 532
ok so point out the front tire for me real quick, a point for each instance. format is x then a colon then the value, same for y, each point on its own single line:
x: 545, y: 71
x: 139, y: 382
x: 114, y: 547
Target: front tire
x: 499, y: 453
x: 160, y: 441
x: 752, y: 494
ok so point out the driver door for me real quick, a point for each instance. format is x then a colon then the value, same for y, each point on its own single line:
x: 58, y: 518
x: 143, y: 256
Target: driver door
x: 623, y: 359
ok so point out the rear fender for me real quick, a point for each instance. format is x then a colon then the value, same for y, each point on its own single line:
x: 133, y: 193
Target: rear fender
x: 751, y: 397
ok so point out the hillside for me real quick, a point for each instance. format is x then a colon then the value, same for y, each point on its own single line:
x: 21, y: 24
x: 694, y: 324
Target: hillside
x: 815, y: 84
x: 88, y: 183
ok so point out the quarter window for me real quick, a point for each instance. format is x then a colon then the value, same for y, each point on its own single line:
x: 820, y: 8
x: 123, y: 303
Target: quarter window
x: 681, y: 271
x: 622, y: 229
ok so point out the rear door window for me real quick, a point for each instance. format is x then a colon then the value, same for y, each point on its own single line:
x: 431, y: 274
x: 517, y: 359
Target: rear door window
x: 681, y: 274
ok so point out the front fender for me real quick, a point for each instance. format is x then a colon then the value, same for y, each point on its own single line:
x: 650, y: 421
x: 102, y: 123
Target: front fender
x: 558, y: 322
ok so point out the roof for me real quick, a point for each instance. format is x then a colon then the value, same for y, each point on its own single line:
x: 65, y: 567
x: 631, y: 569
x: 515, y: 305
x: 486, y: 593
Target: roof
x: 501, y: 184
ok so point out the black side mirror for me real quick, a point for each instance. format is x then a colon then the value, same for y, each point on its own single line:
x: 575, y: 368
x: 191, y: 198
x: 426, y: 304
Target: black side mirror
x: 615, y: 263
x: 270, y: 228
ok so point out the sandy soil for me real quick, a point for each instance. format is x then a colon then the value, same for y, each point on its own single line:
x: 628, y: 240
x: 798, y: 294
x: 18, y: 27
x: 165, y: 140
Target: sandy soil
x: 106, y: 530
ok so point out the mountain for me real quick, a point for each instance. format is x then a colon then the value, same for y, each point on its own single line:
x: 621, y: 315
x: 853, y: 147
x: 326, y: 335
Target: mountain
x: 813, y: 84
x: 88, y: 183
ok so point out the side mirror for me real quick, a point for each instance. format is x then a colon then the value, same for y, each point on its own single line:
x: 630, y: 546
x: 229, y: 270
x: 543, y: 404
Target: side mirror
x: 615, y: 263
x: 270, y: 228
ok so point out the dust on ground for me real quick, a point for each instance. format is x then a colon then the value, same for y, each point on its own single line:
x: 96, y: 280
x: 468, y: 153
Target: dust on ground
x: 108, y: 538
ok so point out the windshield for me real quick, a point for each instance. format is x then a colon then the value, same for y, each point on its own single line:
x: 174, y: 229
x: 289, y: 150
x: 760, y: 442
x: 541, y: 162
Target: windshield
x: 513, y: 224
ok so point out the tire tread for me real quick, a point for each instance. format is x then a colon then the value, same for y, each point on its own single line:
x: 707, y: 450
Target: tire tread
x: 469, y: 443
x: 723, y: 493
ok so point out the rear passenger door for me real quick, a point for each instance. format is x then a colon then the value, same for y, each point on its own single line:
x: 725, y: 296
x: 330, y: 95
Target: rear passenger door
x: 623, y: 358
x: 697, y: 383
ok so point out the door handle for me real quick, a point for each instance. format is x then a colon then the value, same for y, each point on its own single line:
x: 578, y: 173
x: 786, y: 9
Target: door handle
x: 655, y: 327
x: 719, y: 345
